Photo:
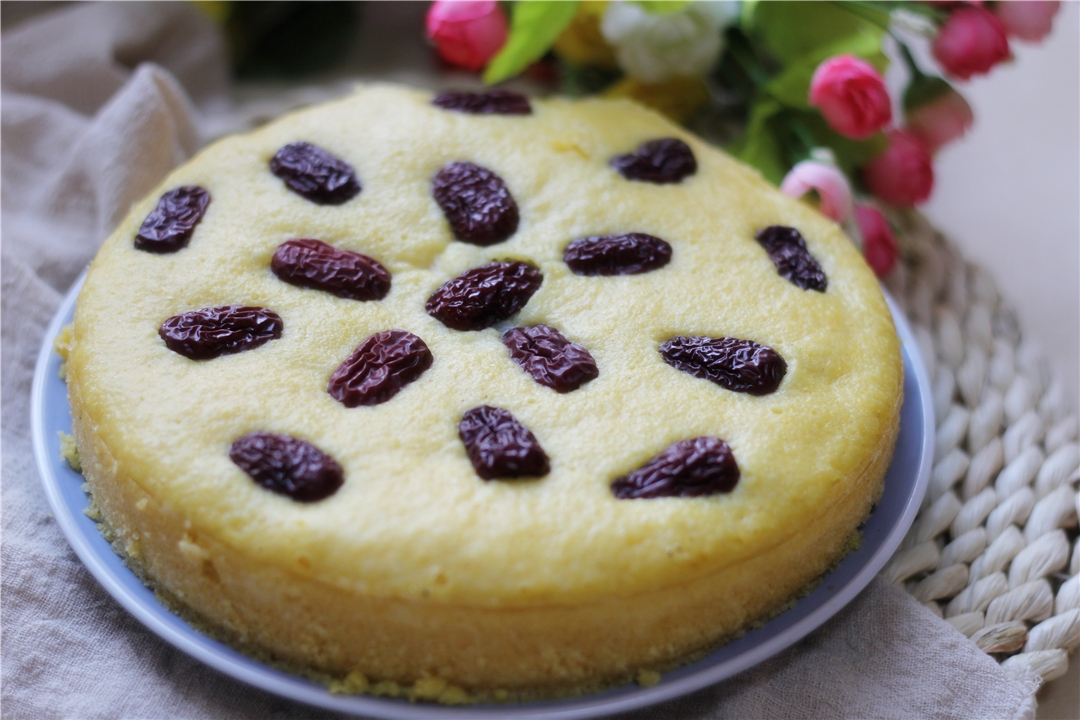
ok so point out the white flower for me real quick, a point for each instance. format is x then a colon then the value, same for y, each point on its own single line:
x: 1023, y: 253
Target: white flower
x: 652, y: 48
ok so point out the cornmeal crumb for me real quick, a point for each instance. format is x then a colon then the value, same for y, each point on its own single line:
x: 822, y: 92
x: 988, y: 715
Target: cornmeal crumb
x: 62, y: 346
x: 427, y: 688
x: 132, y: 549
x: 353, y: 684
x: 388, y: 688
x: 569, y: 146
x: 647, y: 678
x: 190, y: 549
x: 69, y: 451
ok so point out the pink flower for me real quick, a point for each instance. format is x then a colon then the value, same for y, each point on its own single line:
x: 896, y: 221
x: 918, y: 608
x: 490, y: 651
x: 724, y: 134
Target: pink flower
x: 831, y: 186
x: 1029, y: 20
x: 851, y: 95
x: 970, y: 42
x: 467, y: 33
x: 941, y: 120
x: 879, y: 243
x: 903, y: 175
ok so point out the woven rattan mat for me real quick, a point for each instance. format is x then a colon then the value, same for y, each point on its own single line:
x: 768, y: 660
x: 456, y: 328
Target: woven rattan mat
x: 994, y: 549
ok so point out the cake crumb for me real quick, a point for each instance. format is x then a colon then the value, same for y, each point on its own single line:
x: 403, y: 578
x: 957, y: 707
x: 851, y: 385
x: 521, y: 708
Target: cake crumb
x: 141, y: 505
x: 439, y: 690
x: 191, y: 549
x: 387, y: 688
x: 132, y: 549
x: 353, y: 684
x: 62, y: 341
x: 62, y: 347
x: 427, y: 688
x: 569, y: 145
x: 69, y: 451
x: 91, y: 511
x: 454, y: 695
x: 647, y: 678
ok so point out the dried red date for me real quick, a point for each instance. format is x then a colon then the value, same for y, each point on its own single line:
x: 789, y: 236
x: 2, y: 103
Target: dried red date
x: 630, y: 254
x: 792, y: 259
x: 500, y: 447
x: 170, y: 225
x: 688, y: 468
x: 551, y: 359
x: 314, y: 264
x: 377, y: 370
x: 667, y: 160
x: 476, y: 203
x: 287, y: 466
x: 483, y: 296
x: 493, y: 102
x: 738, y: 365
x: 313, y: 173
x: 212, y: 332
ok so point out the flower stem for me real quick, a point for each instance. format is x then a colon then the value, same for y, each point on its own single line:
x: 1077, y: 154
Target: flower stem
x: 871, y: 12
x: 749, y: 63
x: 805, y: 137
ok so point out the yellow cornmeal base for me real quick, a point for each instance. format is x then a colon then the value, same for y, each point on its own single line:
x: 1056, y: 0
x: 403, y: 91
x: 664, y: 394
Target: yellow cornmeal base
x: 416, y: 568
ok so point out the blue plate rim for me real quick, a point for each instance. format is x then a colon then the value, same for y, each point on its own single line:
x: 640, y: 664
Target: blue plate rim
x: 758, y: 645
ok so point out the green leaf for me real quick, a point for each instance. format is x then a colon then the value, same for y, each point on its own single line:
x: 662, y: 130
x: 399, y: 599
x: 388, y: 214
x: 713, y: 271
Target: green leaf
x: 747, y: 15
x: 791, y: 30
x: 662, y: 7
x: 760, y: 147
x: 792, y: 86
x: 534, y: 27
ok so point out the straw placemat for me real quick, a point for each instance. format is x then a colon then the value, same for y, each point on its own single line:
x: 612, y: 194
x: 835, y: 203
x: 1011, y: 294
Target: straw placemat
x: 994, y: 548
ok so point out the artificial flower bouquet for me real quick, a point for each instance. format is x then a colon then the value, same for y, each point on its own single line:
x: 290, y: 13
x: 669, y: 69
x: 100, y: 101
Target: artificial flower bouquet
x: 795, y: 89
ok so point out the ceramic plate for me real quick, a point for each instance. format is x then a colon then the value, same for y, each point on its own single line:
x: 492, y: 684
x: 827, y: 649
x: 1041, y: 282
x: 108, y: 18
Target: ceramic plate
x: 882, y: 533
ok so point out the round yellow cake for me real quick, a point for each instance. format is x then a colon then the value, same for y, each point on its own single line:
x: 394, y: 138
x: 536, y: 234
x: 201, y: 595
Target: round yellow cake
x: 417, y: 571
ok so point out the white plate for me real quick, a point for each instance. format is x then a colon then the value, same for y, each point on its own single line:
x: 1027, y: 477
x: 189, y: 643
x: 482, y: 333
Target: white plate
x: 882, y: 533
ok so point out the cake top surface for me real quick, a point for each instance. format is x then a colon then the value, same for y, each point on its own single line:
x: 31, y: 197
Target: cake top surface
x: 413, y: 516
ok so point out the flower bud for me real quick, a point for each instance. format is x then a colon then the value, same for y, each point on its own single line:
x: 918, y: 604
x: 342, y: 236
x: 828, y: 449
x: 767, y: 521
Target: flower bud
x: 970, y: 42
x: 851, y: 95
x: 879, y: 243
x: 1029, y: 20
x: 935, y: 113
x: 829, y: 183
x: 903, y: 175
x: 467, y: 33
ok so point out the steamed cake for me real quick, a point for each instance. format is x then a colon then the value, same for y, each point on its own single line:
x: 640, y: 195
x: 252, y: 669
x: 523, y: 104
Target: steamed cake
x: 416, y: 568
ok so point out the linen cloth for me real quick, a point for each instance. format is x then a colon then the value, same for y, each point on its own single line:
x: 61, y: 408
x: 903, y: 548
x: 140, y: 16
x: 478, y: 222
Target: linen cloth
x: 99, y: 103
